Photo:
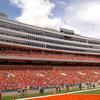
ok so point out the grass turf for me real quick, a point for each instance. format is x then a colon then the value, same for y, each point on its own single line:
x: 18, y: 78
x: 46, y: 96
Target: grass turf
x: 90, y: 92
x: 49, y: 93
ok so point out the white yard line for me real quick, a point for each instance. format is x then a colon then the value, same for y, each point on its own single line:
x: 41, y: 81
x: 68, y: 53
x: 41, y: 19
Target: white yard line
x: 58, y: 94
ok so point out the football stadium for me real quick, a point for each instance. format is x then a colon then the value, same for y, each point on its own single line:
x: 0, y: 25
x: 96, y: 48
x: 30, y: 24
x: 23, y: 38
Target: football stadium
x: 37, y: 61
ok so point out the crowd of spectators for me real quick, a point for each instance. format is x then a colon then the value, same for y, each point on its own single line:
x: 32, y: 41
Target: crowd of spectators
x: 16, y: 79
x: 45, y: 54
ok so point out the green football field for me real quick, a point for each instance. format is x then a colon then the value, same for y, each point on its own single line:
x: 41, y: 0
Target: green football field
x: 90, y: 92
x: 74, y: 91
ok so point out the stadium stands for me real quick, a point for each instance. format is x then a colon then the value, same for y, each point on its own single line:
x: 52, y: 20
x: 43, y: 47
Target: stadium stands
x: 14, y: 79
x: 45, y: 54
x: 32, y: 57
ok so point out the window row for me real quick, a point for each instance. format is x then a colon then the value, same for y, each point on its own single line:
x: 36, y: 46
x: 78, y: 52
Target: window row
x: 47, y: 40
x: 38, y: 32
x: 22, y: 42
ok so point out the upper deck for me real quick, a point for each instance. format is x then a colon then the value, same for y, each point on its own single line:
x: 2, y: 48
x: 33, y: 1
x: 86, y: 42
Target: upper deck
x: 13, y: 32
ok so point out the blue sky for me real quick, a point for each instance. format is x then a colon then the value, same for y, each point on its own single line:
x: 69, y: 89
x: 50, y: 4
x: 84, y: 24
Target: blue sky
x: 80, y: 15
x: 11, y: 11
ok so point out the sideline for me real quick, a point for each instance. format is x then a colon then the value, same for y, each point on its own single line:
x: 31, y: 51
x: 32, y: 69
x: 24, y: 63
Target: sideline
x: 58, y: 94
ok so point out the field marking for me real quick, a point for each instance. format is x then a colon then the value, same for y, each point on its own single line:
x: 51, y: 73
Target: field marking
x: 58, y: 94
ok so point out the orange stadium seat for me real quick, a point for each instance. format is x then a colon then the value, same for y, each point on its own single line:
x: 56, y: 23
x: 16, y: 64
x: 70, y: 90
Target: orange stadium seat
x: 14, y: 79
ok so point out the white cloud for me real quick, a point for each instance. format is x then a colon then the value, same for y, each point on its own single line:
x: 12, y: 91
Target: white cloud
x: 80, y: 15
x: 84, y: 16
x: 37, y: 12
